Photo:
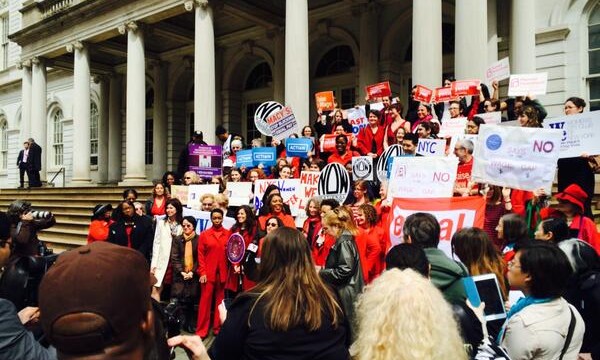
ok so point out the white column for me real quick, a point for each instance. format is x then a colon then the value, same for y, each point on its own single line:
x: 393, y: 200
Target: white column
x: 369, y: 59
x: 279, y: 66
x: 204, y: 69
x: 159, y: 144
x: 135, y: 166
x: 470, y: 39
x: 114, y: 129
x: 492, y: 35
x: 297, y: 89
x: 81, y: 114
x: 38, y: 110
x: 25, y: 101
x: 522, y: 37
x: 103, y: 130
x: 427, y: 43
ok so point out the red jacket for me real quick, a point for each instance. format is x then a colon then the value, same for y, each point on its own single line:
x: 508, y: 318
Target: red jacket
x: 342, y: 159
x: 321, y: 248
x: 288, y: 220
x: 365, y: 138
x: 212, y: 246
x: 98, y: 230
x: 587, y: 231
x: 367, y: 242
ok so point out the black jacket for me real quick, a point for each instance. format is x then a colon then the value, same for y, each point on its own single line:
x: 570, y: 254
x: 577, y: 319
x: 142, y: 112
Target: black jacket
x: 142, y: 235
x: 35, y: 156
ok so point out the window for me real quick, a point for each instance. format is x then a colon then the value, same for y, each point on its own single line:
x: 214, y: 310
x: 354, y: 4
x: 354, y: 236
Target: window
x: 251, y: 130
x: 338, y: 60
x: 3, y: 143
x: 149, y: 143
x: 57, y: 137
x: 4, y: 42
x: 594, y: 58
x: 259, y: 77
x: 94, y: 120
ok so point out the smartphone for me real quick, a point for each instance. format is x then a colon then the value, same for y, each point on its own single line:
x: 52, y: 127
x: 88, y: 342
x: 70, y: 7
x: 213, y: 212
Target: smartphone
x: 488, y: 291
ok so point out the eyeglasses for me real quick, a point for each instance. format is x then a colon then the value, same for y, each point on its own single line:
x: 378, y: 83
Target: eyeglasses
x: 272, y: 224
x: 188, y: 226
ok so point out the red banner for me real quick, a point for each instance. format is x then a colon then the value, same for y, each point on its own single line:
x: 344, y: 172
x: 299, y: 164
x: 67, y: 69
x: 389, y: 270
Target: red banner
x: 328, y: 142
x: 378, y: 90
x: 423, y: 94
x: 443, y: 94
x: 465, y: 87
x: 324, y: 100
x: 452, y: 213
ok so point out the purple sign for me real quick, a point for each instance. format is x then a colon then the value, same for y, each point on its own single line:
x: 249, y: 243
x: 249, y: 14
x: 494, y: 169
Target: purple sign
x: 236, y: 247
x: 206, y: 160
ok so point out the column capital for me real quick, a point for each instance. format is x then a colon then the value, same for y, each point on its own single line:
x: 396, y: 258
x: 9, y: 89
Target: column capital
x: 24, y: 64
x: 37, y: 60
x: 76, y: 45
x: 130, y: 26
x: 192, y: 4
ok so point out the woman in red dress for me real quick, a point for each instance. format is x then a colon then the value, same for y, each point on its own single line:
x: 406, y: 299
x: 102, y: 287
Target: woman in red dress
x: 156, y: 204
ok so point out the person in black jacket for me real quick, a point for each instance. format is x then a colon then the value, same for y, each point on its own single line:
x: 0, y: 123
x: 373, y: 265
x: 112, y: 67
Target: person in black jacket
x: 131, y: 230
x: 24, y: 162
x: 35, y: 156
x: 183, y: 164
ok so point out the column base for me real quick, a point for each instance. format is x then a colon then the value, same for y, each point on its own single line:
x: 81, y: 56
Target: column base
x: 79, y: 182
x: 135, y: 181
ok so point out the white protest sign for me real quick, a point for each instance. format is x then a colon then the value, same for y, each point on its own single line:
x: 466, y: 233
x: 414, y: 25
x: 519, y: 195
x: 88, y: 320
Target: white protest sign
x: 422, y: 177
x: 334, y: 183
x: 239, y: 193
x: 195, y: 191
x: 362, y: 168
x: 357, y: 118
x: 516, y: 157
x: 263, y: 111
x: 287, y: 189
x: 491, y: 118
x: 309, y: 181
x: 499, y: 70
x: 282, y: 123
x: 203, y: 219
x: 580, y: 133
x: 383, y: 164
x: 180, y: 192
x: 453, y: 127
x: 528, y: 84
x: 431, y: 147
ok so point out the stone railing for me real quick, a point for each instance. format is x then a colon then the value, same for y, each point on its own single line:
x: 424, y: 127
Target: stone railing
x: 35, y: 11
x: 51, y: 7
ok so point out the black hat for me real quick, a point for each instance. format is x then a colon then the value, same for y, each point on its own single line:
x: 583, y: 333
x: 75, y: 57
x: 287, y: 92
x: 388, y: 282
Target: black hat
x: 198, y: 134
x: 100, y: 209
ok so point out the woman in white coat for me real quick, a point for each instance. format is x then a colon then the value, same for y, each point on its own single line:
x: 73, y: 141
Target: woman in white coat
x: 167, y: 229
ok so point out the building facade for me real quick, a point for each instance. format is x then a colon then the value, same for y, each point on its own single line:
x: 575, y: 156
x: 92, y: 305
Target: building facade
x: 112, y: 89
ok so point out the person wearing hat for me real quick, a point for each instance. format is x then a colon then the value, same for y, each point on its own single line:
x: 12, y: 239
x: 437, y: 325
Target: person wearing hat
x: 101, y: 220
x: 183, y: 163
x: 93, y: 306
x: 571, y: 203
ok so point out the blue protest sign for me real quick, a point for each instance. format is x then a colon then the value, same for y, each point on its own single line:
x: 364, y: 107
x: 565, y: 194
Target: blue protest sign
x: 298, y: 147
x: 244, y: 158
x: 264, y: 155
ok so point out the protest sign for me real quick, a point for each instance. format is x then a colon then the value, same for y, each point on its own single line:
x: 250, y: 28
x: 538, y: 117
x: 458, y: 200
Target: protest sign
x: 499, y: 70
x: 516, y: 157
x: 266, y: 156
x: 309, y: 181
x: 362, y: 168
x: 298, y: 147
x: 282, y: 123
x: 422, y: 94
x: 378, y: 90
x: 324, y: 100
x: 334, y: 183
x: 263, y: 111
x: 422, y: 177
x: 243, y: 158
x: 357, y: 118
x: 203, y: 219
x: 287, y: 189
x: 453, y: 127
x: 443, y: 94
x: 580, y: 133
x: 465, y: 87
x: 431, y: 147
x: 491, y: 118
x: 239, y: 193
x: 328, y: 142
x: 196, y: 191
x: 527, y: 84
x: 453, y: 214
x: 180, y: 192
x: 206, y: 160
x: 383, y: 164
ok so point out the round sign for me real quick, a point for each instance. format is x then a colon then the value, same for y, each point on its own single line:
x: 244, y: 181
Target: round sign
x: 263, y: 111
x: 236, y: 247
x: 493, y: 142
x: 382, y: 163
x: 334, y: 183
x: 362, y: 168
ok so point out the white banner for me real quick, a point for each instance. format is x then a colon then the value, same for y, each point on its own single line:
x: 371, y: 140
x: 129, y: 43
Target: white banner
x: 362, y: 168
x: 239, y: 193
x: 453, y: 127
x: 309, y: 181
x: 431, y: 147
x: 287, y: 189
x: 491, y: 118
x: 195, y: 191
x: 422, y: 177
x: 516, y: 157
x: 580, y: 133
x: 499, y: 70
x: 528, y: 84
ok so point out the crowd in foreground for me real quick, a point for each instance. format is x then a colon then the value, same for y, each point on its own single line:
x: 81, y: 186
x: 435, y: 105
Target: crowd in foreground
x: 337, y: 288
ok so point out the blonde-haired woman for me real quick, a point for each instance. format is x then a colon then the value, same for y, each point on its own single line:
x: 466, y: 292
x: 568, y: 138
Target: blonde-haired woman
x: 342, y: 268
x: 403, y: 316
x: 190, y: 178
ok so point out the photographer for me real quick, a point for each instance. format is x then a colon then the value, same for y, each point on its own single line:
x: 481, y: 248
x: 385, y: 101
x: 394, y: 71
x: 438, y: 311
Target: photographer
x: 15, y: 341
x: 24, y: 227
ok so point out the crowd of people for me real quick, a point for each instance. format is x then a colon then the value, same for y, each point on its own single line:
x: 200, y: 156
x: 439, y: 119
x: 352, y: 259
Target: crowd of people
x: 337, y: 287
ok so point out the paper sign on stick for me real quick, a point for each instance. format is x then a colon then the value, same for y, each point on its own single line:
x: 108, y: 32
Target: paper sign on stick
x: 206, y: 160
x: 324, y: 100
x: 422, y: 94
x: 239, y: 193
x: 334, y: 183
x: 309, y: 181
x: 298, y: 147
x: 422, y: 177
x: 378, y: 90
x: 263, y: 111
x: 357, y: 118
x: 180, y: 192
x: 580, y: 133
x: 491, y: 118
x: 243, y: 158
x: 453, y: 127
x: 431, y: 147
x: 499, y: 70
x: 528, y: 84
x: 264, y: 155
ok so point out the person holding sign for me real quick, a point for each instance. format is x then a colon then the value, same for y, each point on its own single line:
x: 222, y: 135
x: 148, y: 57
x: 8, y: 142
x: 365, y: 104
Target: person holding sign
x: 423, y: 115
x: 342, y: 154
x: 274, y: 207
x: 370, y: 138
x: 245, y: 225
x: 463, y: 185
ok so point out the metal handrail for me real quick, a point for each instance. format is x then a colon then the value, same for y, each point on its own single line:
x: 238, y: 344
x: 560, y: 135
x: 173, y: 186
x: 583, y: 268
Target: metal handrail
x: 61, y: 170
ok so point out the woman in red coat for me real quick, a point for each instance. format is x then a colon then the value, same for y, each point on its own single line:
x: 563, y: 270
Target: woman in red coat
x: 368, y: 242
x: 370, y: 138
x: 98, y: 230
x: 276, y: 208
x: 245, y: 226
x: 212, y: 269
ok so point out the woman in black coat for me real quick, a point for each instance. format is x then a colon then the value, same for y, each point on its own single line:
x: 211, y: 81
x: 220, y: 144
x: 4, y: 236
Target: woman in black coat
x: 131, y: 230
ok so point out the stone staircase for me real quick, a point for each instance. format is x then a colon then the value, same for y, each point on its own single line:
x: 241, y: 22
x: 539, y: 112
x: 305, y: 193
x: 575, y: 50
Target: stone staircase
x: 72, y: 207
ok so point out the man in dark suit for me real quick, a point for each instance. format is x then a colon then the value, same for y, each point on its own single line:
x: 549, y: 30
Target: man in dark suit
x: 35, y: 160
x: 23, y: 162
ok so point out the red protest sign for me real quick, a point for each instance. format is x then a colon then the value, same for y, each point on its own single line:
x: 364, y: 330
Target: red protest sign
x: 378, y: 90
x: 423, y: 94
x: 443, y: 94
x: 328, y: 142
x: 324, y: 100
x: 465, y: 87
